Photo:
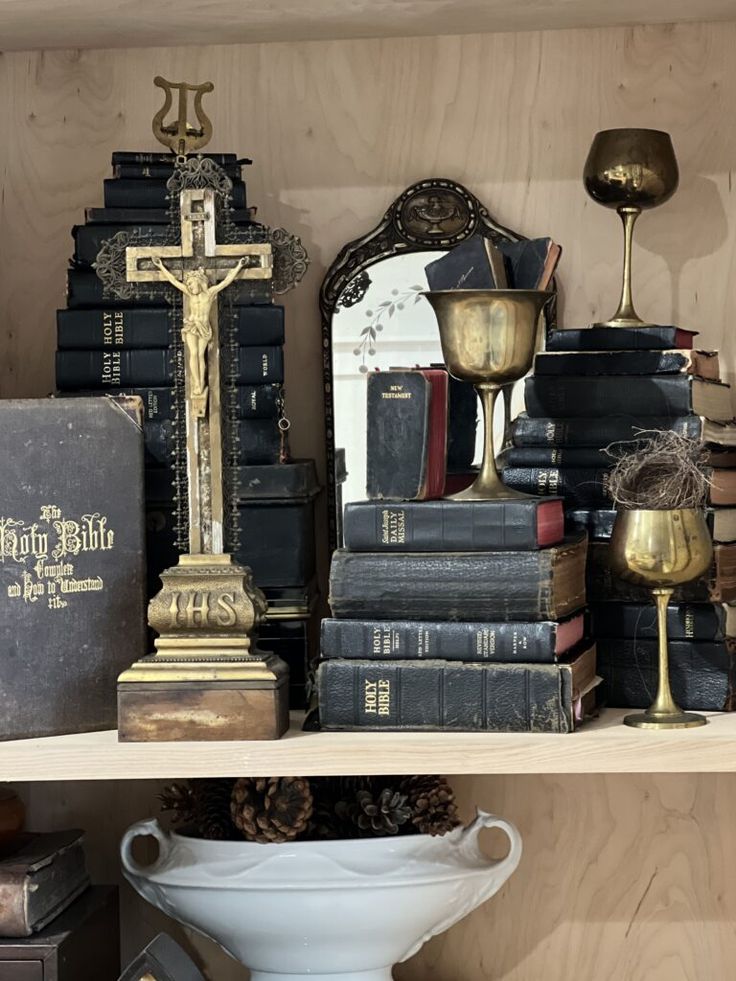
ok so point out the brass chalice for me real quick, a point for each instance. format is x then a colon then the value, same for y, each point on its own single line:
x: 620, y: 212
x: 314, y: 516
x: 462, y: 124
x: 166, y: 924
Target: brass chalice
x: 630, y: 170
x: 661, y: 550
x: 488, y: 338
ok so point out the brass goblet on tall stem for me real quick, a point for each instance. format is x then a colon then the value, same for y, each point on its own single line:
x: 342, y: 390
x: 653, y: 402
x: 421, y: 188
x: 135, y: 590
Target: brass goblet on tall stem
x: 630, y: 170
x: 488, y: 338
x: 661, y: 550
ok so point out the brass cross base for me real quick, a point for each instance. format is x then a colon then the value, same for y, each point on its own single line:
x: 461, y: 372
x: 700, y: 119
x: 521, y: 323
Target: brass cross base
x: 206, y: 680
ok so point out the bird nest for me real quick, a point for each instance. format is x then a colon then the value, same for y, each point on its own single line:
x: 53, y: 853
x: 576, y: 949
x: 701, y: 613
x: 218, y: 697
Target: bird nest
x: 659, y: 471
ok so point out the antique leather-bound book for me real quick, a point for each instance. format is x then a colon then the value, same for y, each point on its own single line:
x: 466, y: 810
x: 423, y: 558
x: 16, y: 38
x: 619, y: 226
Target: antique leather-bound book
x: 601, y: 430
x: 254, y: 401
x: 403, y: 640
x: 609, y: 395
x: 702, y: 363
x: 151, y: 327
x: 621, y: 339
x: 441, y: 695
x: 153, y: 366
x: 454, y: 526
x: 40, y: 875
x: 701, y: 673
x: 587, y: 487
x: 546, y: 584
x: 72, y: 597
x: 638, y: 621
x: 406, y: 434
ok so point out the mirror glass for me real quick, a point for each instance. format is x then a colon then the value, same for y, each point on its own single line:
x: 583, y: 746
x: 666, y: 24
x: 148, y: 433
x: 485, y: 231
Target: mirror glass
x: 381, y: 320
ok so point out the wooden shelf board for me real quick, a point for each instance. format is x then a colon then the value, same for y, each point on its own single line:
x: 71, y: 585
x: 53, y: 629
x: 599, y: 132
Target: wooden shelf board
x: 44, y: 24
x: 604, y: 746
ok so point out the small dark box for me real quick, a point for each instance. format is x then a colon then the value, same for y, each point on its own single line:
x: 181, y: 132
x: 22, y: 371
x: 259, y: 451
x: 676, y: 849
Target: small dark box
x: 83, y: 944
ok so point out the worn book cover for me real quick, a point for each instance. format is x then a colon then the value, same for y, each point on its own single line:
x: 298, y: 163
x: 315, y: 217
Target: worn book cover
x: 453, y: 526
x: 565, y: 433
x: 40, y: 875
x: 702, y: 363
x: 638, y: 621
x: 701, y: 674
x: 440, y: 695
x: 406, y: 432
x: 657, y: 338
x: 546, y: 584
x: 72, y: 563
x: 448, y: 640
x: 610, y: 395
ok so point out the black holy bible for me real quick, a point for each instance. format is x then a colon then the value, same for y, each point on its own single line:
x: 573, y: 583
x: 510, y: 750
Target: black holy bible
x: 72, y: 592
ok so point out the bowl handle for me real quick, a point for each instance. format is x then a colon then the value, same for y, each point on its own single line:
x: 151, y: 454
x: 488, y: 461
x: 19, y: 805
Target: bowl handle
x: 469, y: 847
x: 144, y: 829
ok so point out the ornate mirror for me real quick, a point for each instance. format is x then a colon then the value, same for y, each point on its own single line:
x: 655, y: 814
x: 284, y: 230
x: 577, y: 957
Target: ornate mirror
x: 374, y: 316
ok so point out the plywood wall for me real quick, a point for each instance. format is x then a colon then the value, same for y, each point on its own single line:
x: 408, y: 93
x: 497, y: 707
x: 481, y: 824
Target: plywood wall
x: 624, y: 879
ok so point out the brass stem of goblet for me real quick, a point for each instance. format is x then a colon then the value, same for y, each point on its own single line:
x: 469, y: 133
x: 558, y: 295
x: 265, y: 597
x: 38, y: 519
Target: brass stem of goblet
x: 488, y: 484
x: 664, y: 703
x: 664, y: 712
x: 626, y: 315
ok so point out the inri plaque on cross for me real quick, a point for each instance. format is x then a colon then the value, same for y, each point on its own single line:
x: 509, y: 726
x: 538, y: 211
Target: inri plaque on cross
x: 200, y: 269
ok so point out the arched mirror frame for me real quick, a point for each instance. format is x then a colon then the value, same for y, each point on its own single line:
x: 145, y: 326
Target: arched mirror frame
x: 432, y: 214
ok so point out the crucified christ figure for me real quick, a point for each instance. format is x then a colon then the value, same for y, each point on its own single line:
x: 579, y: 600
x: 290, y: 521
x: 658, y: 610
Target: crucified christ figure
x: 197, y: 331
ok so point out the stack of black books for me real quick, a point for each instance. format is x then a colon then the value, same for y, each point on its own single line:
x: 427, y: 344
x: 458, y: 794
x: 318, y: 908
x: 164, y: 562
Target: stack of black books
x: 450, y: 614
x: 600, y: 386
x: 116, y: 346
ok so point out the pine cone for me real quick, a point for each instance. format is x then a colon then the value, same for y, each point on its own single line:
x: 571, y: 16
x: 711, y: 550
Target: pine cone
x: 212, y: 797
x: 179, y: 799
x: 271, y: 809
x: 432, y: 804
x: 377, y: 812
x: 333, y: 798
x: 203, y: 806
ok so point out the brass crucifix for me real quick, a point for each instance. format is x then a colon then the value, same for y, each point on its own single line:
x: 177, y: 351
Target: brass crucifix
x: 200, y: 268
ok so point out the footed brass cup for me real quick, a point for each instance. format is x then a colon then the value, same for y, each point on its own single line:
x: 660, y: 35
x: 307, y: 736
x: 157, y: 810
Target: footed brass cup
x: 488, y: 338
x: 661, y: 550
x: 630, y: 170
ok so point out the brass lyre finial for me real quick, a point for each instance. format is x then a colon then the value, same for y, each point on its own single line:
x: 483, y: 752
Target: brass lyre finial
x: 181, y: 136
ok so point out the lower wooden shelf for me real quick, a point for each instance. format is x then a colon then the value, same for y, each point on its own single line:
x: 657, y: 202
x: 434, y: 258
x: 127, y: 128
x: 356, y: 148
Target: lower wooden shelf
x: 604, y: 746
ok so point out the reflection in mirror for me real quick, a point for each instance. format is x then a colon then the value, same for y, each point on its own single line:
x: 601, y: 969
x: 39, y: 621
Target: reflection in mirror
x: 375, y: 317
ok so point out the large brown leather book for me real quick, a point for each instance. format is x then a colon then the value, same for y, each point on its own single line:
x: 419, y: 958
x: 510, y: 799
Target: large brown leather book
x: 72, y: 562
x: 40, y: 875
x: 546, y: 584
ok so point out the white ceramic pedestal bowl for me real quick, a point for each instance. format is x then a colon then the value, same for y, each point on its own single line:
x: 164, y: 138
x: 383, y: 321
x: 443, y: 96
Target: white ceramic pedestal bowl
x: 323, y: 910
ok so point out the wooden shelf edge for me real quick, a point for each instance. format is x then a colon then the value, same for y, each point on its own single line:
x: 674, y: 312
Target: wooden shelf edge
x: 605, y: 746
